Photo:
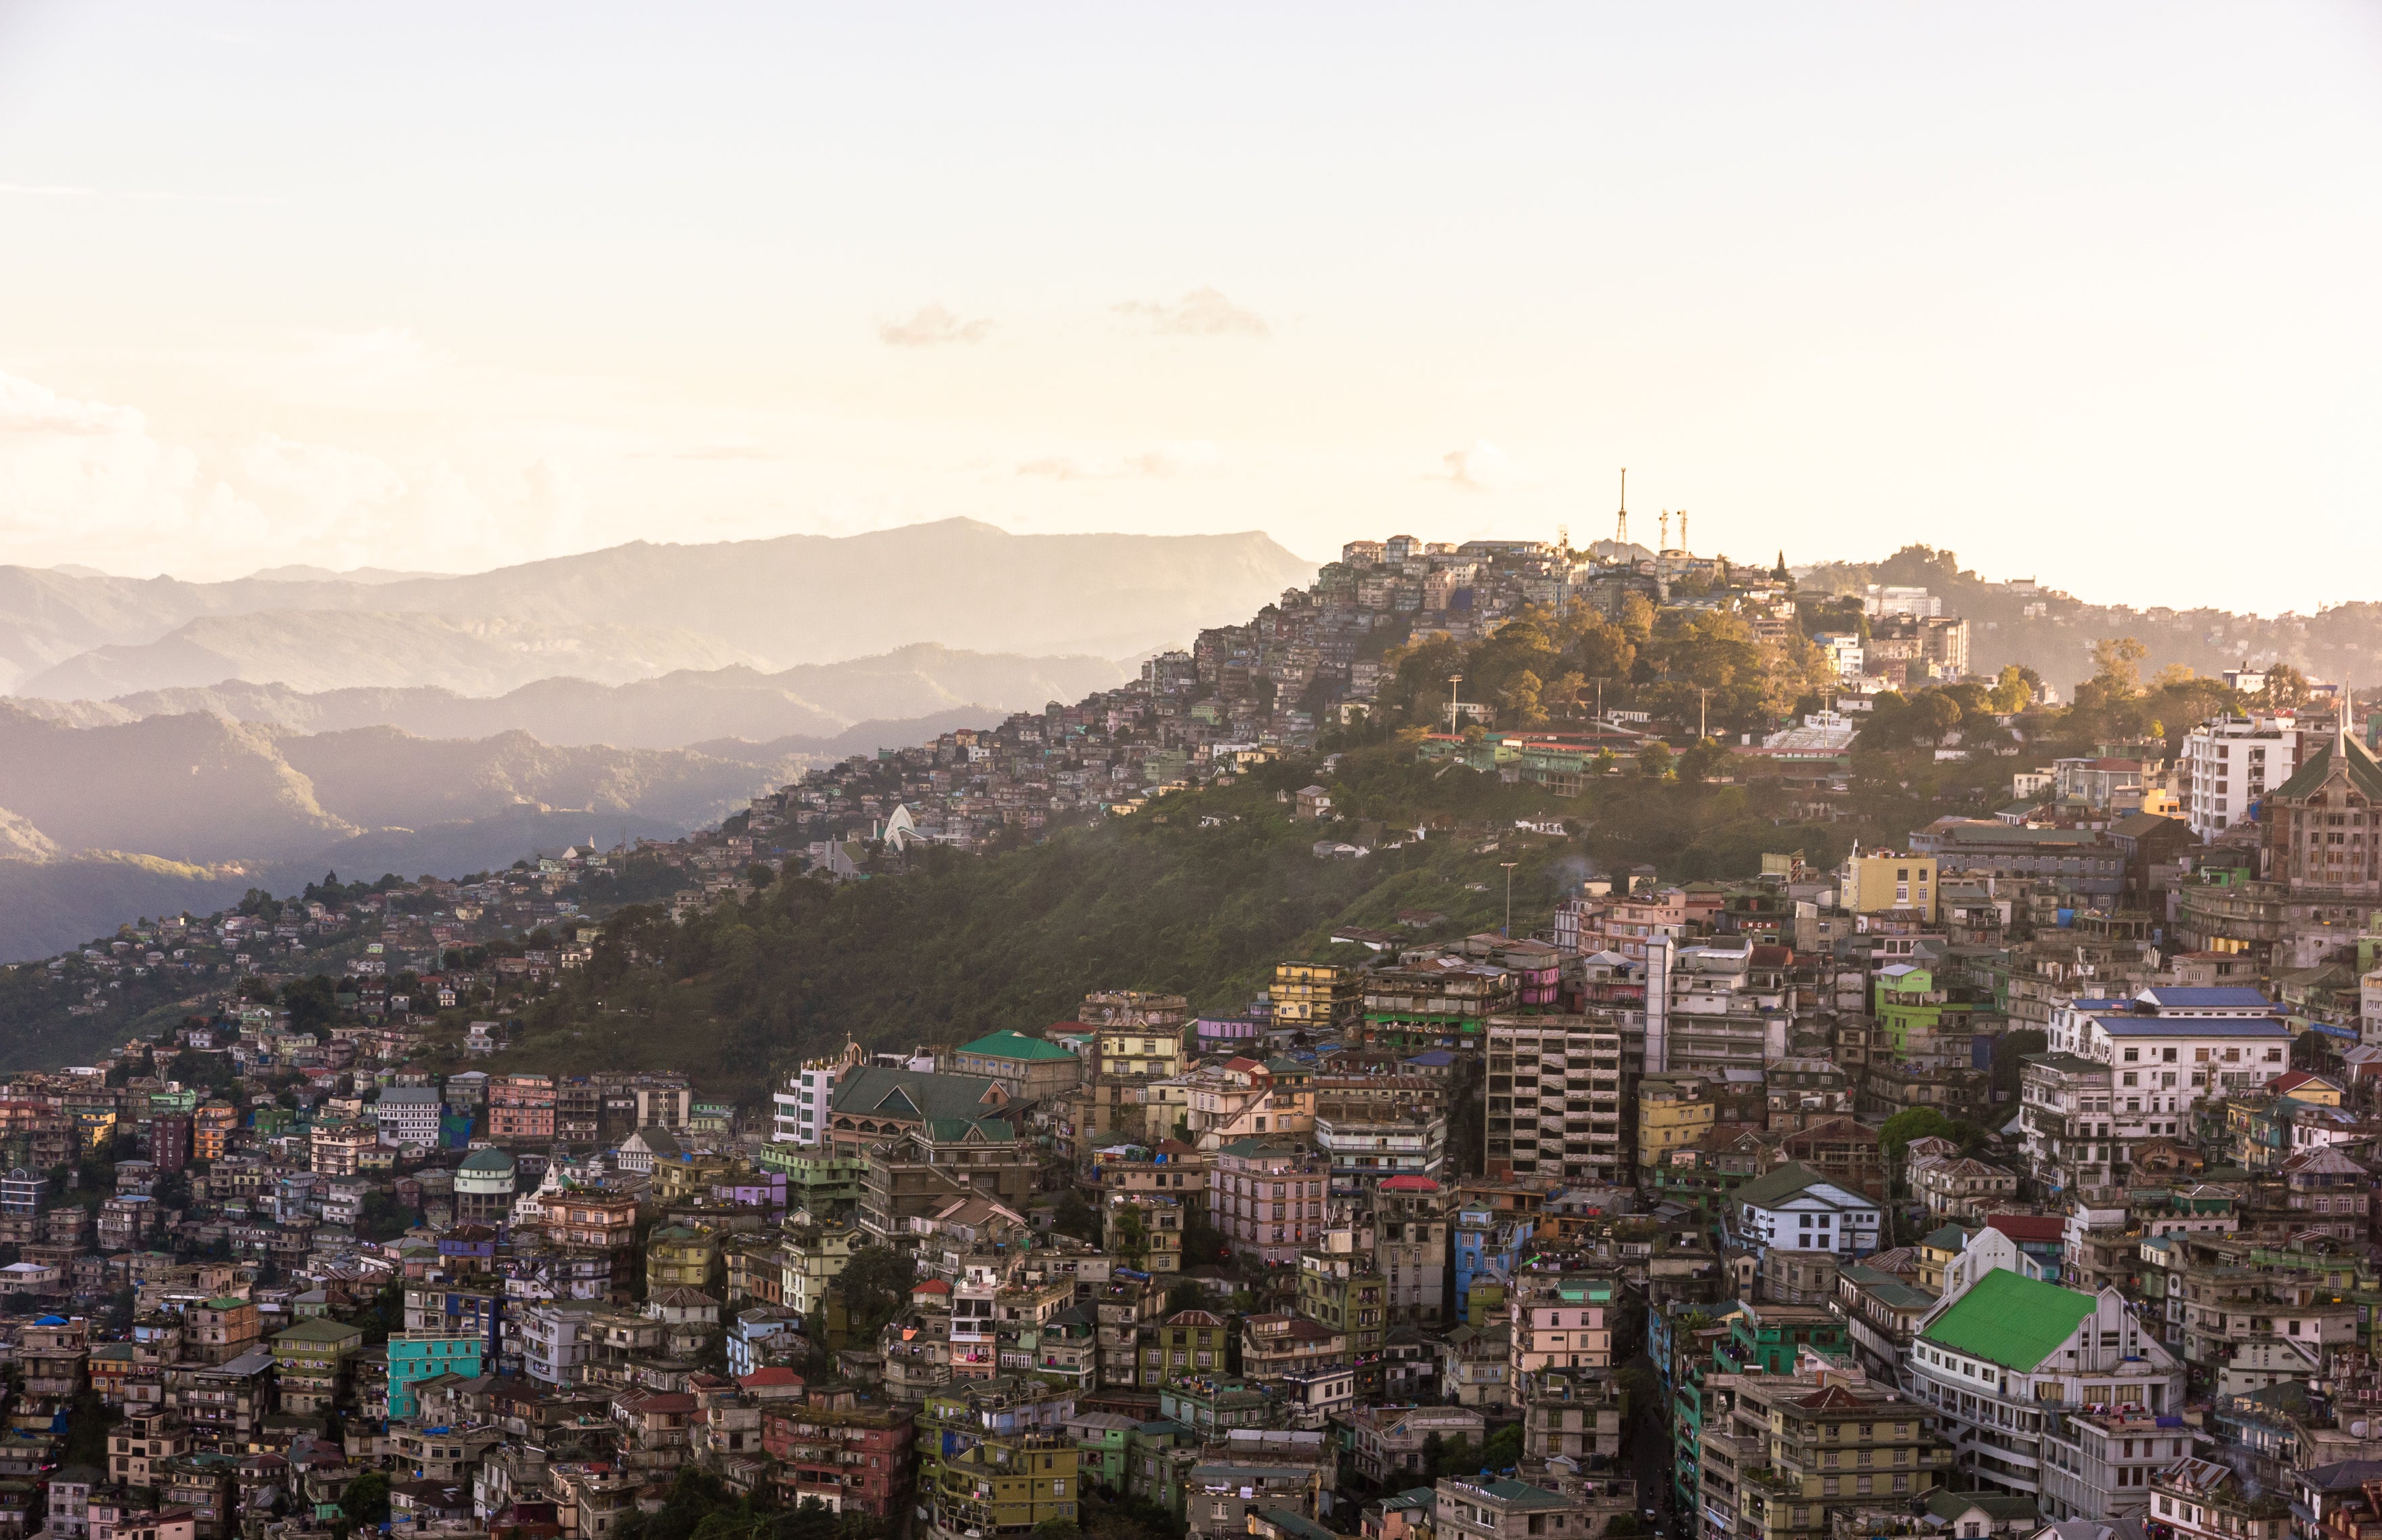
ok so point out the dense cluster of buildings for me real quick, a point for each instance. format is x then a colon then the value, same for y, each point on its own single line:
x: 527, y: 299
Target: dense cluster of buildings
x: 1762, y: 1170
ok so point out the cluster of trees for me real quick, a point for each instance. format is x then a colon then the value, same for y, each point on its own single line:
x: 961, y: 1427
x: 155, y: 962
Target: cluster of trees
x: 700, y: 1506
x: 1543, y: 670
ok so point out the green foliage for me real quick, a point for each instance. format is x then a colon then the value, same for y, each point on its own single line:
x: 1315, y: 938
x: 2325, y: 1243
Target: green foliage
x: 875, y: 1285
x: 700, y: 1506
x: 365, y: 1503
x: 1075, y: 1217
x: 1894, y: 1135
x: 312, y: 1003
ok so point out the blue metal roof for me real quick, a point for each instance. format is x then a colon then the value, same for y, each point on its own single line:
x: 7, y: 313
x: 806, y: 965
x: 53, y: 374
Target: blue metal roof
x: 2192, y: 1026
x: 2228, y: 997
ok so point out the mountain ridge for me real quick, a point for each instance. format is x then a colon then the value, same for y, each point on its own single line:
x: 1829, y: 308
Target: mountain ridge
x: 779, y: 602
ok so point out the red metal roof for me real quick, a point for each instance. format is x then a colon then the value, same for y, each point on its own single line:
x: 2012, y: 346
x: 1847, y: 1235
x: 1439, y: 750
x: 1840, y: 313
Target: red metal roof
x: 2029, y: 1227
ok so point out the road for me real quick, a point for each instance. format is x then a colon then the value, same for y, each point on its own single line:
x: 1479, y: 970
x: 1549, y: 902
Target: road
x: 1649, y: 1458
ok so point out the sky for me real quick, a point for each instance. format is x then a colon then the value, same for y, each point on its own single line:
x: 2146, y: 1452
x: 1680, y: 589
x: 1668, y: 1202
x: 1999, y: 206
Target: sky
x: 2083, y: 293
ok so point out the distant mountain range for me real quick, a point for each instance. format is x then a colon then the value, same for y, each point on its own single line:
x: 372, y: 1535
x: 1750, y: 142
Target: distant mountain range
x: 634, y: 611
x: 171, y: 744
x: 164, y: 813
x: 181, y: 799
x: 671, y: 710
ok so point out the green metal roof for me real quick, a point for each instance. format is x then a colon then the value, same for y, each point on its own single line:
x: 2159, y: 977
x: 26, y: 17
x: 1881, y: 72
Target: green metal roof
x: 323, y: 1329
x: 2003, y: 1507
x: 2364, y: 773
x: 2015, y: 1321
x: 1014, y: 1045
x: 1764, y: 1192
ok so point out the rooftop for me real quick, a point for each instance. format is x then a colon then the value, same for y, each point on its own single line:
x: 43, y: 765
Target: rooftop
x: 2015, y: 1321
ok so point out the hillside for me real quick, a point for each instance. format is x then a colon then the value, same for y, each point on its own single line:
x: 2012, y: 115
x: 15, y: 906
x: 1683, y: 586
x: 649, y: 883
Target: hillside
x: 964, y: 945
x: 635, y: 611
x: 2339, y: 642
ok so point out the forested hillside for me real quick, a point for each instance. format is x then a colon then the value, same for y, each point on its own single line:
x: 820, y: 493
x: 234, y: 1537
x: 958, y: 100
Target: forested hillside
x: 1202, y: 895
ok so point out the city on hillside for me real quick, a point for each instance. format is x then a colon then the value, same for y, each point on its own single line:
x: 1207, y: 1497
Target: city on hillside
x: 1990, y: 1157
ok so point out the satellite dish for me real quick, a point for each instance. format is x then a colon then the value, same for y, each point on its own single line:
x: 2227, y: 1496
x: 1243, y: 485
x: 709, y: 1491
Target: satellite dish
x: 2357, y: 1430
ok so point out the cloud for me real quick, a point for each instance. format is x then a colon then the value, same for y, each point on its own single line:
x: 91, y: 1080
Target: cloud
x: 931, y: 326
x: 1186, y: 459
x: 91, y: 482
x: 1480, y: 467
x: 1201, y: 312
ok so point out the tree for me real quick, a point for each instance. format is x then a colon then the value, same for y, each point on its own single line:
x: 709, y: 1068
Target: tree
x: 1703, y: 759
x: 1075, y: 1217
x: 365, y: 1503
x: 2015, y: 687
x: 1894, y: 1135
x: 312, y: 1003
x: 875, y: 1285
x: 2286, y: 686
x: 1654, y: 759
x: 2118, y: 665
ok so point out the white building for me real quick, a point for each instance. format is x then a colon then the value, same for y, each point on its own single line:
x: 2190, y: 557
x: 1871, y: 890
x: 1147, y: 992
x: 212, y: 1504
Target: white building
x: 409, y: 1115
x: 2230, y: 763
x: 2169, y: 1047
x: 1844, y: 650
x: 1794, y: 1208
x: 802, y: 1106
x: 2004, y: 1358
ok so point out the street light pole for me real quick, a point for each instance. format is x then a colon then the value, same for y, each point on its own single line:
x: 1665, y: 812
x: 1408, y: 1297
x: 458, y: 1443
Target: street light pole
x: 1452, y: 680
x: 1509, y: 866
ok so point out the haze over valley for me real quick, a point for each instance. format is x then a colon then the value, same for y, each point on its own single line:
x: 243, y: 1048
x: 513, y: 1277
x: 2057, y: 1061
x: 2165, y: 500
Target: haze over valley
x: 170, y: 744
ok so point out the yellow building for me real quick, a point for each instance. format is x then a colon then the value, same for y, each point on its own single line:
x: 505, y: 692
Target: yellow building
x: 1672, y: 1113
x: 1141, y: 1052
x: 813, y: 1257
x: 679, y: 1257
x: 1875, y: 883
x: 1318, y: 995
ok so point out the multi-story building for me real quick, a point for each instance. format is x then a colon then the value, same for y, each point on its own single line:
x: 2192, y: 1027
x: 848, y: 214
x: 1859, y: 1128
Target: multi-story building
x: 2169, y: 1047
x: 337, y: 1146
x: 1809, y: 1449
x: 1715, y: 1007
x: 2202, y: 1499
x: 802, y: 1106
x: 1268, y: 1198
x: 2230, y: 763
x: 2009, y: 1354
x: 1317, y: 997
x: 1558, y: 1089
x: 842, y: 1447
x: 993, y: 1456
x: 483, y: 1188
x: 1882, y: 881
x: 1031, y: 1069
x: 1794, y: 1207
x: 1372, y: 1148
x: 1495, y: 1509
x: 409, y: 1115
x: 520, y: 1110
x: 307, y: 1359
x: 1674, y: 1112
x: 416, y: 1356
x: 2100, y: 1464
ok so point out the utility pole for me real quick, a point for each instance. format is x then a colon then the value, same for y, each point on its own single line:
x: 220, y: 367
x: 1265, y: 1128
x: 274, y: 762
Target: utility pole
x: 1703, y: 709
x: 1452, y: 680
x: 1509, y: 866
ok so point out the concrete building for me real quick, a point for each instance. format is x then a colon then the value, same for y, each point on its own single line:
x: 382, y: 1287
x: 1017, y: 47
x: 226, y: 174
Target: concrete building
x: 1558, y: 1097
x: 2003, y: 1360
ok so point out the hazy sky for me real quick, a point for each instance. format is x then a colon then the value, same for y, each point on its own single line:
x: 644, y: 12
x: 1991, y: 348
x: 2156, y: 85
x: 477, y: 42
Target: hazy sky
x: 2087, y: 293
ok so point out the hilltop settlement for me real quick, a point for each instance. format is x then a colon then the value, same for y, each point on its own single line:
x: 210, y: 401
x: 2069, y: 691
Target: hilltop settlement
x: 1990, y: 1154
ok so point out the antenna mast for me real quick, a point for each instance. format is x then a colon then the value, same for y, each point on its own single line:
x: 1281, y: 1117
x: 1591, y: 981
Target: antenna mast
x: 1683, y: 529
x: 1621, y: 526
